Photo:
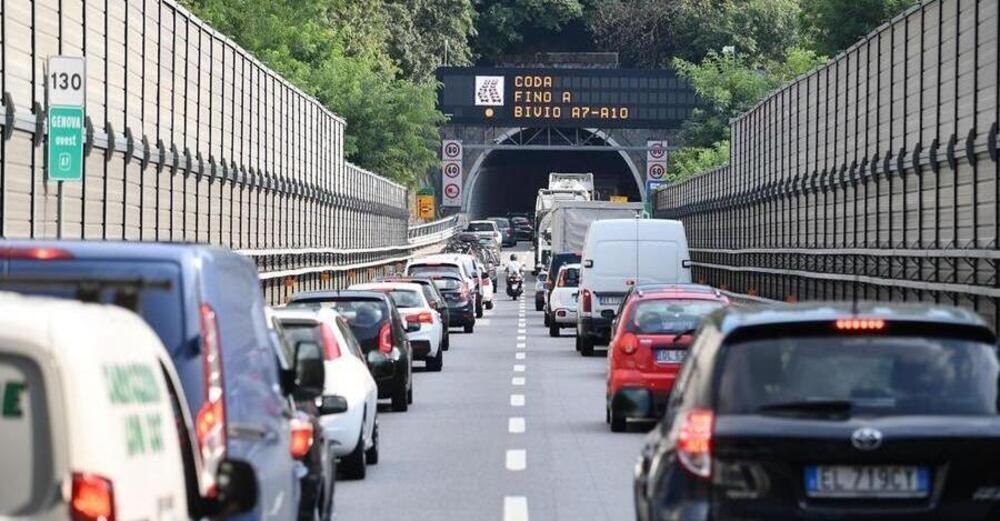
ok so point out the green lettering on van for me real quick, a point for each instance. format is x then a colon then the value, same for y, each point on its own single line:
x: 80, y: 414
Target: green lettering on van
x: 154, y: 426
x: 131, y: 383
x: 12, y: 407
x: 135, y: 443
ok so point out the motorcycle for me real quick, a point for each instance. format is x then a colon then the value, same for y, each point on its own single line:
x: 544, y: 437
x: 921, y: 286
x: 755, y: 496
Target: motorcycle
x: 515, y: 285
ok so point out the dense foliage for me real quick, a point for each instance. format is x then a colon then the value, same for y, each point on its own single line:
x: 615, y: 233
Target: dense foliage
x: 373, y: 61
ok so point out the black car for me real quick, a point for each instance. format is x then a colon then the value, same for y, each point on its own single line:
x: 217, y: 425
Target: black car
x: 449, y: 281
x: 434, y: 297
x: 830, y: 411
x: 522, y: 228
x: 507, y: 232
x: 318, y: 484
x: 381, y: 331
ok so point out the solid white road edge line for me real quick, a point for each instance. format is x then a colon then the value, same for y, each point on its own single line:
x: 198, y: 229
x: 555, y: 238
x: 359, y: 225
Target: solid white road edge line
x: 515, y: 508
x: 515, y: 425
x: 517, y: 460
x: 517, y: 400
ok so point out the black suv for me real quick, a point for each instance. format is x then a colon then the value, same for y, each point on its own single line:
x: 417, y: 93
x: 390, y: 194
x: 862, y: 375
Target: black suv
x: 380, y: 330
x: 830, y: 411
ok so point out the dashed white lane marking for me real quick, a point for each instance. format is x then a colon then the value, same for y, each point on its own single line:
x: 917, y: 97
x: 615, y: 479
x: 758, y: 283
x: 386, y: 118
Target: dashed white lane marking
x: 517, y: 400
x: 522, y: 331
x: 517, y: 460
x: 519, y: 356
x: 515, y: 425
x: 517, y: 380
x: 522, y: 322
x: 521, y: 338
x: 518, y: 368
x: 521, y: 345
x: 515, y: 508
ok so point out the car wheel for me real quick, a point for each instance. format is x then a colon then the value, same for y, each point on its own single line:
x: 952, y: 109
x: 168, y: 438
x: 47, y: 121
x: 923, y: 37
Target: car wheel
x: 586, y: 346
x: 399, y: 402
x: 479, y: 309
x: 371, y: 455
x: 409, y: 395
x: 469, y: 327
x: 539, y: 306
x: 489, y: 305
x: 553, y: 329
x: 435, y: 364
x: 446, y: 343
x: 618, y: 422
x: 353, y: 465
x: 547, y: 321
x: 578, y: 343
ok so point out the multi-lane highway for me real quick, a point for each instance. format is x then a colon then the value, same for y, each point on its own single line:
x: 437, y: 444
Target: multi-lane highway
x: 513, y: 427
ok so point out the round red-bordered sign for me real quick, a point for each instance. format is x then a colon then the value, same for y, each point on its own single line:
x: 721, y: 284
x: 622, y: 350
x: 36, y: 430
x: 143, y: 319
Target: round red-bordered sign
x: 657, y: 171
x: 452, y: 190
x: 452, y: 170
x: 657, y: 151
x: 452, y: 150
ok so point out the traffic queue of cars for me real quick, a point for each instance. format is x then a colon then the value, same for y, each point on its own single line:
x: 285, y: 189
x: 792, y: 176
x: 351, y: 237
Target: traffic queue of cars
x: 120, y: 358
x: 812, y: 411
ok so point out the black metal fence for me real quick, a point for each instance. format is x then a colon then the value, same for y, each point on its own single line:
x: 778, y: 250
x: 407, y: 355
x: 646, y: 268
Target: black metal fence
x: 189, y: 138
x: 875, y: 176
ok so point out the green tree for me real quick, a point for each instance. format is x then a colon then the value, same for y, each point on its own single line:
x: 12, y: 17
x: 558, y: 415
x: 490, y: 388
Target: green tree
x: 503, y: 26
x: 834, y: 25
x: 688, y: 161
x: 425, y: 31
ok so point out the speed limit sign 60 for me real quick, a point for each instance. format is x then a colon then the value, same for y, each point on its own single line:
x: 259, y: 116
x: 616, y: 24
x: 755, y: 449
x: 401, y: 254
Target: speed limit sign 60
x: 452, y: 169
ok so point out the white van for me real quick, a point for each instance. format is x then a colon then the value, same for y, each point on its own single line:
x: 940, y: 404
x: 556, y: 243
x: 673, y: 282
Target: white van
x: 617, y: 254
x: 88, y: 398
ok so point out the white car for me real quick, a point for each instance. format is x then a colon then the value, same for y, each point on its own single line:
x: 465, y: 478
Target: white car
x: 89, y: 397
x: 564, y: 299
x: 468, y: 265
x: 415, y: 310
x: 487, y: 229
x: 354, y: 432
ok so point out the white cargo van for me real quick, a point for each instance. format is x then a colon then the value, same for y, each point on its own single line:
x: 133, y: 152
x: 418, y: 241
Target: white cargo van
x: 87, y: 424
x: 617, y: 254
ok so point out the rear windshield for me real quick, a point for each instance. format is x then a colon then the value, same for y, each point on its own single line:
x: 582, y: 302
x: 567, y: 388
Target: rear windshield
x: 569, y: 278
x: 502, y: 223
x: 447, y: 284
x: 670, y: 316
x: 480, y: 227
x: 405, y: 298
x: 430, y: 270
x: 875, y: 375
x: 364, y: 315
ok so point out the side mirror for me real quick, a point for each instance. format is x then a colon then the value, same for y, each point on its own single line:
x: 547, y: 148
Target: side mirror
x: 332, y: 404
x: 686, y: 263
x: 237, y: 489
x: 588, y: 263
x: 309, y: 371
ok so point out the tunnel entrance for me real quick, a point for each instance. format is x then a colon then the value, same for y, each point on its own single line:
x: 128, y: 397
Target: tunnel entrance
x: 508, y: 180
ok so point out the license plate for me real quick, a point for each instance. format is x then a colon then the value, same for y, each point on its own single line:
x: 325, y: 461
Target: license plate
x: 871, y: 481
x: 670, y: 356
x: 611, y: 301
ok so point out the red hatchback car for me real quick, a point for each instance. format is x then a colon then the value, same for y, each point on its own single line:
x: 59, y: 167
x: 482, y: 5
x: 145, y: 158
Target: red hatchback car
x: 648, y: 346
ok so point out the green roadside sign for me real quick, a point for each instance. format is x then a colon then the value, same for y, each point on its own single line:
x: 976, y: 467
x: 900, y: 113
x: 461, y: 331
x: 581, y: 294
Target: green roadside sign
x: 66, y: 143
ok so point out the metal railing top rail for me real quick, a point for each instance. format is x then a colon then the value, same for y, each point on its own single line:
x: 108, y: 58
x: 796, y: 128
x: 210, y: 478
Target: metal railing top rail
x: 445, y: 222
x: 379, y: 178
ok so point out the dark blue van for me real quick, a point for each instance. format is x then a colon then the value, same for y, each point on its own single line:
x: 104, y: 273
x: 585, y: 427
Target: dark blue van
x: 206, y: 305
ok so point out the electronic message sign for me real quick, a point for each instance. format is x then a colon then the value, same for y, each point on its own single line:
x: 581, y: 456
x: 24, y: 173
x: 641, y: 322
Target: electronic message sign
x: 619, y: 98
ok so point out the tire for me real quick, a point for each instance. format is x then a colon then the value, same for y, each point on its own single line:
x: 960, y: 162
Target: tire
x: 553, y: 329
x: 399, y: 401
x: 586, y: 346
x: 353, y: 466
x: 489, y: 305
x: 539, y: 306
x: 446, y: 343
x: 469, y: 327
x: 547, y: 321
x: 617, y: 421
x: 479, y: 309
x: 435, y: 364
x: 371, y: 455
x: 578, y: 343
x: 409, y: 395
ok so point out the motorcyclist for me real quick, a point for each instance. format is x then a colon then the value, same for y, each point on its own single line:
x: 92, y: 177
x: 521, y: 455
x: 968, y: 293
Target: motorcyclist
x: 513, y: 266
x: 513, y: 269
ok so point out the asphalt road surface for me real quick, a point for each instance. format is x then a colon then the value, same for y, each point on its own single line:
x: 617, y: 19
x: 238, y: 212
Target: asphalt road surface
x: 512, y: 429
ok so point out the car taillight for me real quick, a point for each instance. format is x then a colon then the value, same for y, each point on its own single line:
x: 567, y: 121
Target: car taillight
x: 210, y: 422
x: 694, y: 442
x: 35, y: 253
x: 463, y: 291
x: 302, y: 437
x: 330, y: 344
x: 424, y: 317
x: 486, y: 280
x: 93, y: 498
x: 385, y: 338
x: 585, y: 301
x: 861, y: 324
x: 628, y: 343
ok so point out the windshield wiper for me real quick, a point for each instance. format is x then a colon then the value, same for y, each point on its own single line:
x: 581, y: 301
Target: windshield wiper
x: 686, y: 332
x: 831, y: 407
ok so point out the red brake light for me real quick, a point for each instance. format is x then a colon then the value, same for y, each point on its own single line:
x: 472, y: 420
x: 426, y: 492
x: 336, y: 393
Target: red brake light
x: 35, y: 253
x: 330, y: 344
x: 385, y: 338
x: 861, y: 324
x: 93, y: 498
x: 302, y: 437
x: 628, y: 343
x: 585, y: 300
x: 694, y: 442
x: 423, y: 317
x: 210, y: 422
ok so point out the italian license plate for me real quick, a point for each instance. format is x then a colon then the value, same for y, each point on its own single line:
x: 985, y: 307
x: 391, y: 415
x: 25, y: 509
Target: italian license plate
x: 871, y: 481
x: 670, y: 356
x: 612, y: 300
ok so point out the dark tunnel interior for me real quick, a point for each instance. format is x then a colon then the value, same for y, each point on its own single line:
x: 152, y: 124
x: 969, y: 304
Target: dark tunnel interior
x: 509, y: 179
